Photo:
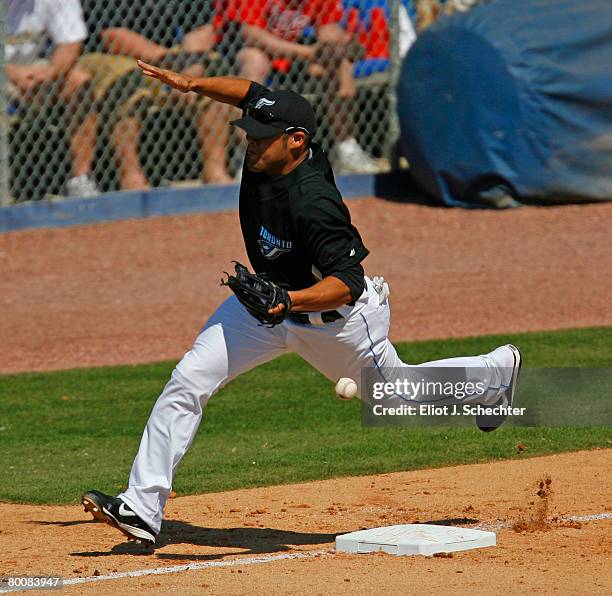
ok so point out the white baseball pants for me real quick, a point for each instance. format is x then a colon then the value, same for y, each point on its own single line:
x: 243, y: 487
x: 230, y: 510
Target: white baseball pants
x: 233, y: 342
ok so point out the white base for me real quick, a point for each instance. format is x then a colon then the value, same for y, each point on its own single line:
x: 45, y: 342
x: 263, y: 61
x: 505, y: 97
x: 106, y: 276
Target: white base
x: 414, y: 539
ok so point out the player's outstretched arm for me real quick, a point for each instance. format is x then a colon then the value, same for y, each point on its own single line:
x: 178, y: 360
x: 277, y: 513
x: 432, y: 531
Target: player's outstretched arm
x: 327, y: 294
x: 229, y: 90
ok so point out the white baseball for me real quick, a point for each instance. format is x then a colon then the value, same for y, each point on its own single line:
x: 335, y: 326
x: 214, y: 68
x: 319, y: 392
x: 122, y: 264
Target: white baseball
x: 346, y: 388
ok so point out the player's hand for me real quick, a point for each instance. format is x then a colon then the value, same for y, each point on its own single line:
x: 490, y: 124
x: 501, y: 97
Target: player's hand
x: 169, y: 77
x: 277, y: 310
x: 280, y: 308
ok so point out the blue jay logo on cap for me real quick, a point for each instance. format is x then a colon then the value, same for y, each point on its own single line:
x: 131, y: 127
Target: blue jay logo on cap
x: 264, y: 102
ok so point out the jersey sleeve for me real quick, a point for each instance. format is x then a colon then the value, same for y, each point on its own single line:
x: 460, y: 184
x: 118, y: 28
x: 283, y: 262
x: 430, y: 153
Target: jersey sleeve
x: 252, y: 13
x: 334, y: 245
x: 255, y: 90
x: 65, y: 22
x: 324, y: 12
x: 241, y: 11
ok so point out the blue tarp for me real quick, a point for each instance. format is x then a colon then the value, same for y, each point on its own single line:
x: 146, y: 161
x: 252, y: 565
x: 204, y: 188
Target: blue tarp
x: 514, y: 95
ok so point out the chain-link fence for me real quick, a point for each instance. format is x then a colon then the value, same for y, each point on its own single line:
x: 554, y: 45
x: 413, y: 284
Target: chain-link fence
x: 79, y: 118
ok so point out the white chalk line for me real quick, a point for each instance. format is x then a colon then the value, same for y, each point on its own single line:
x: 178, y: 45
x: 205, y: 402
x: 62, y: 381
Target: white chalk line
x: 190, y: 567
x: 204, y: 565
x: 586, y: 518
x: 271, y: 558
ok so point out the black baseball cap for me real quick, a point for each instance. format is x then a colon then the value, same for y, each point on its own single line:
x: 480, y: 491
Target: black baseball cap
x: 277, y: 112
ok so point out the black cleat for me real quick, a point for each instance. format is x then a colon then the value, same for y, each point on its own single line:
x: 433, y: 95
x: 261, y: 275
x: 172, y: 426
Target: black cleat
x: 113, y: 511
x: 488, y: 424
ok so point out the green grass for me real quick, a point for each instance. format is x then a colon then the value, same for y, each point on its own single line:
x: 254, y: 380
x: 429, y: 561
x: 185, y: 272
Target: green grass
x: 68, y: 431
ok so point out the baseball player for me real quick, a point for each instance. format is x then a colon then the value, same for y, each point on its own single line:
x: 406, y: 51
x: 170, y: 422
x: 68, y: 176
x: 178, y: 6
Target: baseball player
x: 317, y: 300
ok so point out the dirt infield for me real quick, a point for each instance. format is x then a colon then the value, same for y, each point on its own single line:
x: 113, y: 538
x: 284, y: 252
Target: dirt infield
x: 138, y: 291
x: 556, y: 554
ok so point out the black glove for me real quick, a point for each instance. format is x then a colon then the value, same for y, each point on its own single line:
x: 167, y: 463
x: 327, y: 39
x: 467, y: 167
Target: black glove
x: 258, y: 294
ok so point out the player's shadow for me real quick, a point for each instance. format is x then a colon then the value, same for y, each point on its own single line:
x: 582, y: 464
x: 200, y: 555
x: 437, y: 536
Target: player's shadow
x: 246, y: 539
x: 228, y: 541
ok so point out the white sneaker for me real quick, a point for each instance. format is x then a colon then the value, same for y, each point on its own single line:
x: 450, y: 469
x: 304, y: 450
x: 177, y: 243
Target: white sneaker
x: 350, y: 157
x: 82, y: 186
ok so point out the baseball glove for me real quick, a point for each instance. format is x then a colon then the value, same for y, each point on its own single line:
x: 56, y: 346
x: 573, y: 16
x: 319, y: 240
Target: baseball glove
x: 258, y: 294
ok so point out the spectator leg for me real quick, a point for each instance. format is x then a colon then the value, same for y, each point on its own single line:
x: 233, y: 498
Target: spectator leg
x: 346, y: 81
x: 340, y: 88
x: 211, y: 121
x: 82, y: 117
x: 254, y: 65
x: 349, y: 155
x: 201, y: 39
x: 124, y: 137
x: 213, y: 133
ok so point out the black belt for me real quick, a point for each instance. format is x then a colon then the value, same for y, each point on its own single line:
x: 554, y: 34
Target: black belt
x: 329, y: 316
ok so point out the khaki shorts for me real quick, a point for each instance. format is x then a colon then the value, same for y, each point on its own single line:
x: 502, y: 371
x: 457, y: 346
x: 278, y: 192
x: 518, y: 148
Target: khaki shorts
x: 121, y: 90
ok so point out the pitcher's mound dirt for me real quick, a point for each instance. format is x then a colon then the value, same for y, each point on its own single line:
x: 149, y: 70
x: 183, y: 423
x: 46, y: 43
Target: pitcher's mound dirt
x: 306, y: 517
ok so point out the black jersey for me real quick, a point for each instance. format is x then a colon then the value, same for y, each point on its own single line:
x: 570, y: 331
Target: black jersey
x: 296, y: 227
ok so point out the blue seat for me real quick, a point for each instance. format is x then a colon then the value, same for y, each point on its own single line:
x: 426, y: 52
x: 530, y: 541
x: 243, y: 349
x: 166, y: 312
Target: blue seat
x: 369, y: 66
